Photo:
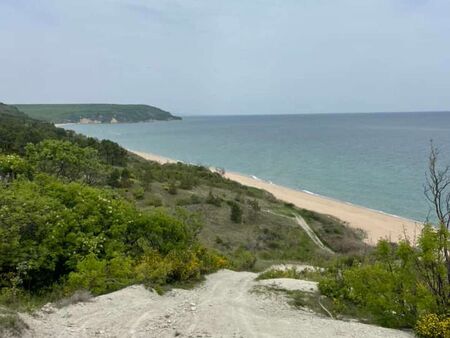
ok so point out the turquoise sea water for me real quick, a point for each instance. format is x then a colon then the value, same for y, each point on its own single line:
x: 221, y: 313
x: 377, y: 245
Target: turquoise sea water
x: 375, y: 160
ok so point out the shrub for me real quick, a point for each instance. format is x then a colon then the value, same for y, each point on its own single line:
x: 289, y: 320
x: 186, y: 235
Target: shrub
x: 172, y: 188
x: 210, y: 260
x: 433, y: 326
x: 185, y: 265
x: 187, y: 182
x: 214, y: 200
x: 306, y: 274
x: 193, y: 199
x: 113, y: 179
x: 236, y: 213
x: 154, y: 201
x: 101, y: 276
x: 125, y: 178
x: 243, y: 259
x: 139, y: 193
x: 11, y: 325
x: 152, y: 269
x: 392, y: 286
x: 13, y: 166
x: 79, y: 296
x: 254, y: 205
x: 65, y: 160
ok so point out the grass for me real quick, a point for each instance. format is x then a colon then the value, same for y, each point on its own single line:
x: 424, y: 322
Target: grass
x: 305, y: 274
x: 80, y: 296
x: 10, y: 323
x: 309, y: 301
x: 269, y: 237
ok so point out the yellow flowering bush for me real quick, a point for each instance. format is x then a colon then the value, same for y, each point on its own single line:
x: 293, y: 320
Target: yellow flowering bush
x: 432, y: 326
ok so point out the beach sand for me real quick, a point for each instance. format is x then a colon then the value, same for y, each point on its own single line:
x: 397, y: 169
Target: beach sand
x: 375, y: 223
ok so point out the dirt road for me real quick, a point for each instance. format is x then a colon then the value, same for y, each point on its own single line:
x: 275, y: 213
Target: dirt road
x: 223, y: 306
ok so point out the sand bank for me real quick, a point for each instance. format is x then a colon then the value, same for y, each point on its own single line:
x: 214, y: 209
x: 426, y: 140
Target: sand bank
x: 375, y: 223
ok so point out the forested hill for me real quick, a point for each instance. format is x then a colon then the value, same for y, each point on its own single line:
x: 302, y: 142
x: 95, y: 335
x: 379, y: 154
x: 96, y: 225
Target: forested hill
x: 95, y: 113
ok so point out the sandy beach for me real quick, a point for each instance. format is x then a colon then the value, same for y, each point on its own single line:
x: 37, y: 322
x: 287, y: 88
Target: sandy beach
x: 375, y: 223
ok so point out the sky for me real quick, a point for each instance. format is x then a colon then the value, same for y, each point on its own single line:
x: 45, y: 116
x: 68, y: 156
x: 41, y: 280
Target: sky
x: 209, y: 57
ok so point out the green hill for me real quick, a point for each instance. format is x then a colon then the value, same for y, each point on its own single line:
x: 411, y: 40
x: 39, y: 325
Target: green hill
x: 104, y: 113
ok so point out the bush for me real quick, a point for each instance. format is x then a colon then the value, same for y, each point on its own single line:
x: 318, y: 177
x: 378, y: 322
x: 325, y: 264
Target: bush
x: 193, y: 199
x: 243, y: 259
x: 214, y: 200
x: 433, y: 326
x: 152, y: 269
x: 139, y: 193
x: 154, y: 201
x: 172, y: 188
x: 11, y: 325
x: 236, y: 213
x: 13, y: 166
x: 101, y: 276
x: 187, y: 182
x: 65, y: 160
x: 392, y: 285
x: 254, y: 205
x: 79, y: 296
x: 113, y: 179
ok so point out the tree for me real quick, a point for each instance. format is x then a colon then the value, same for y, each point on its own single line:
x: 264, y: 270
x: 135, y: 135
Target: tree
x: 12, y: 166
x: 236, y: 213
x: 64, y: 159
x: 435, y: 242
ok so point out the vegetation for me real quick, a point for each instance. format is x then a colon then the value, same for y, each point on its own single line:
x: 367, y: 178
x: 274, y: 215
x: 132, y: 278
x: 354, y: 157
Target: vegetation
x: 78, y: 213
x: 304, y: 274
x: 404, y: 285
x: 105, y: 113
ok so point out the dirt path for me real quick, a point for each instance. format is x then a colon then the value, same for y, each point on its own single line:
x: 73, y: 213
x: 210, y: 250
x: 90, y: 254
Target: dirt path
x: 223, y: 306
x: 310, y: 232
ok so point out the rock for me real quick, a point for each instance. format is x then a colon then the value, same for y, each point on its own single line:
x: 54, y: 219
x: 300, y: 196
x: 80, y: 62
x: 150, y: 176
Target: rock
x: 48, y: 308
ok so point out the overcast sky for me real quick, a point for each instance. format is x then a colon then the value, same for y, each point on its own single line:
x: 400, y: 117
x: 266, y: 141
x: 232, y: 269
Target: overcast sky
x: 229, y: 57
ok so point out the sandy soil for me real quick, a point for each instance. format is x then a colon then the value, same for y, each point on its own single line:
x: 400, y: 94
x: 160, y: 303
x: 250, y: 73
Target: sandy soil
x: 223, y: 306
x: 376, y: 224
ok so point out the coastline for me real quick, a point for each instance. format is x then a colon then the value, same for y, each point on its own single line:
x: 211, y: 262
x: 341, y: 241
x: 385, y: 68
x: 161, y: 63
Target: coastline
x: 377, y: 224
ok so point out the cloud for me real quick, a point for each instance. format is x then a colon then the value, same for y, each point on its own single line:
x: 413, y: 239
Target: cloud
x: 228, y: 56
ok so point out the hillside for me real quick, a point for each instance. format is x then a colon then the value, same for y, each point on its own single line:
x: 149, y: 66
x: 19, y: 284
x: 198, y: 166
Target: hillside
x: 77, y: 213
x: 95, y: 113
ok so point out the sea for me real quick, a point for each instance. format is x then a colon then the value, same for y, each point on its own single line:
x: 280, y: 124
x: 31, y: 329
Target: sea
x: 376, y: 160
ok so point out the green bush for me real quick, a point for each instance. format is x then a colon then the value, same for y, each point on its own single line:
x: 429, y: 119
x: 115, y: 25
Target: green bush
x: 65, y: 160
x: 391, y: 286
x: 154, y: 201
x: 50, y: 227
x: 236, y: 213
x: 242, y: 259
x: 187, y: 182
x: 214, y: 200
x: 139, y: 193
x: 13, y: 166
x: 101, y: 276
x: 172, y: 188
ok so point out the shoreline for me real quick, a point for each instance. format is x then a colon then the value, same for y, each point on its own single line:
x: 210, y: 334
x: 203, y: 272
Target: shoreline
x: 377, y: 224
